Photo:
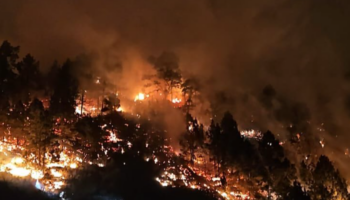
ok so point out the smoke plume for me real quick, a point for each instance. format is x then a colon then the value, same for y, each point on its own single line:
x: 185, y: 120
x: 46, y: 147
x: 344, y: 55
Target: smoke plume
x: 234, y: 48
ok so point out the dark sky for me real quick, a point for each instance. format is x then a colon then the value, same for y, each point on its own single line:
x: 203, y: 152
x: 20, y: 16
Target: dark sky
x: 300, y: 47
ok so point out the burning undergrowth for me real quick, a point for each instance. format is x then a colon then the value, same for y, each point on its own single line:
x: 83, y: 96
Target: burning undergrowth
x: 86, y: 122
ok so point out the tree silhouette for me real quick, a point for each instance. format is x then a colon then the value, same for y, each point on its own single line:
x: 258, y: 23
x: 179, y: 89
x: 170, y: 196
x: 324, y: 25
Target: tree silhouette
x: 111, y: 103
x: 8, y: 58
x: 11, y: 191
x: 167, y: 66
x: 122, y: 178
x: 63, y: 99
x: 91, y: 136
x: 29, y: 79
x: 193, y: 137
x: 327, y: 181
x: 214, y: 144
x: 189, y: 88
x: 297, y: 193
x: 280, y: 172
x: 39, y: 131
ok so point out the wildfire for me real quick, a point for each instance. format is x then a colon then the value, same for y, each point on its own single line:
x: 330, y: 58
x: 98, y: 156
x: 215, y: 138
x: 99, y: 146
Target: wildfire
x: 113, y: 137
x: 55, y: 173
x: 139, y: 97
x: 36, y: 174
x: 57, y: 170
x: 322, y: 143
x: 73, y: 165
x: 251, y: 134
x: 119, y: 109
x: 176, y: 100
x: 19, y: 171
x: 190, y: 127
x: 173, y: 175
x: 78, y: 110
x: 58, y: 184
x: 20, y: 165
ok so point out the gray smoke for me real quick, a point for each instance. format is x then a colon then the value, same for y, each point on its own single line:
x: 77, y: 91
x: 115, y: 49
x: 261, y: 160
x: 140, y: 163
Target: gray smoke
x: 234, y: 48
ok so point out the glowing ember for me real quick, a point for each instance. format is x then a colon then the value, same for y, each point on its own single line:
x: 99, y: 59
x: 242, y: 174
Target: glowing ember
x: 215, y: 179
x: 55, y: 173
x: 37, y: 174
x: 78, y: 110
x: 58, y: 184
x: 176, y: 100
x: 129, y: 144
x: 79, y: 159
x: 113, y: 137
x: 251, y: 134
x: 54, y: 165
x: 322, y: 143
x: 190, y: 127
x: 100, y: 165
x: 73, y: 165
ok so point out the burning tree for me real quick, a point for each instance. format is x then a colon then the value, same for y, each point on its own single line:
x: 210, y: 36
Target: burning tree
x: 48, y: 143
x: 189, y: 88
x: 167, y: 66
x: 111, y: 103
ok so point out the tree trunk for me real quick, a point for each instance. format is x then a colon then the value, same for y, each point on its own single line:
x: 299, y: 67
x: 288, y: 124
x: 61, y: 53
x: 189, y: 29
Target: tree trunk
x: 82, y: 102
x: 39, y: 155
x: 171, y: 90
x: 218, y: 168
x: 43, y: 160
x: 103, y: 95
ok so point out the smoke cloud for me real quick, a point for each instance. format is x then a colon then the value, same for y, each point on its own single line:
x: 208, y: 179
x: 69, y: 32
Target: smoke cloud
x: 234, y: 48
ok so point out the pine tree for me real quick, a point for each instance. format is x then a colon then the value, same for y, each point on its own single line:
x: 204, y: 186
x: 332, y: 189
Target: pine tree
x: 296, y: 193
x: 8, y: 59
x: 193, y: 138
x: 29, y: 79
x: 63, y: 99
x: 214, y: 143
x: 37, y: 131
x: 167, y: 66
